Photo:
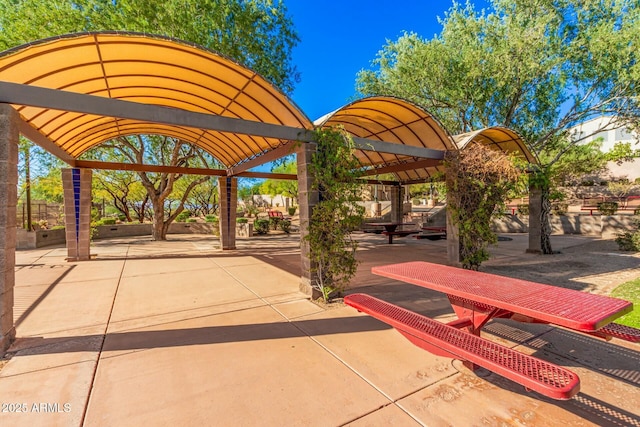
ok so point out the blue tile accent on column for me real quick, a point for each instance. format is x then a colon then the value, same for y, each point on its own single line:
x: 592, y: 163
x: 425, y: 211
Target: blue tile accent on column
x: 75, y: 178
x: 229, y: 205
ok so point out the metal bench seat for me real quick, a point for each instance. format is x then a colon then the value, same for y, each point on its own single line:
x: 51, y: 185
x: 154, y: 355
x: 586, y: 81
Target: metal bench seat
x: 399, y: 233
x: 535, y: 374
x: 616, y: 330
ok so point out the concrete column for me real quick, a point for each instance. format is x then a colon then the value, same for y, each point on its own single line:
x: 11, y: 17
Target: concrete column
x: 397, y: 203
x: 228, y: 192
x: 453, y: 241
x: 9, y: 136
x: 307, y: 199
x: 535, y: 220
x: 76, y: 184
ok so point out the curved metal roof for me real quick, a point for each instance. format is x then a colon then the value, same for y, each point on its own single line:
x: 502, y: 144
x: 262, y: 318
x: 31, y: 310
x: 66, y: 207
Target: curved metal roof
x: 393, y: 120
x: 148, y: 70
x: 498, y: 138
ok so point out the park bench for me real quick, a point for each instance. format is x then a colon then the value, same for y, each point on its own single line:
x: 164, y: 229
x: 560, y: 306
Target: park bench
x: 616, y: 330
x: 591, y: 203
x: 631, y: 203
x: 399, y: 233
x: 512, y: 205
x: 445, y: 340
x: 277, y: 215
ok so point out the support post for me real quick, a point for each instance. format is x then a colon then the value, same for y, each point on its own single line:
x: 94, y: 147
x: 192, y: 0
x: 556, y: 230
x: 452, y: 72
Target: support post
x: 9, y: 137
x: 228, y: 199
x: 76, y: 184
x: 307, y: 199
x: 397, y: 203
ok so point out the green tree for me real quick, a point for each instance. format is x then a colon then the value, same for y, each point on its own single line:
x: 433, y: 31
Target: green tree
x: 575, y: 162
x: 622, y: 152
x: 537, y: 66
x: 203, y: 199
x: 158, y: 150
x: 119, y: 187
x: 256, y: 33
x: 287, y: 188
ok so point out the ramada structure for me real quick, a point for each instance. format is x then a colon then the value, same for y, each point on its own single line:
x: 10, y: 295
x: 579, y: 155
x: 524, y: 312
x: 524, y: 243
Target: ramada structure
x: 71, y: 93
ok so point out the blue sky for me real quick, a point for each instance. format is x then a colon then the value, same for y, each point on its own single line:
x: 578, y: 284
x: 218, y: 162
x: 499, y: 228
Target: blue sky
x: 341, y: 37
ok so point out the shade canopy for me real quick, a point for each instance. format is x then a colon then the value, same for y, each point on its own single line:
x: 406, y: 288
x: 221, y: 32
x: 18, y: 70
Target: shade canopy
x: 147, y: 70
x: 394, y: 136
x: 393, y: 120
x: 497, y: 138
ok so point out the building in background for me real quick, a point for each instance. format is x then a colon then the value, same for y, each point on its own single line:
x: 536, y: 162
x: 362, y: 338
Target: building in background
x: 609, y: 133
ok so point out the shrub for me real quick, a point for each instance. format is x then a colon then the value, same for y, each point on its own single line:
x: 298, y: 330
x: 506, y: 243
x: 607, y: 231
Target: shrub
x: 261, y: 226
x: 210, y: 218
x: 242, y: 220
x: 630, y: 240
x: 274, y: 222
x: 192, y: 220
x: 285, y: 225
x: 291, y: 211
x: 182, y: 216
x: 252, y: 210
x: 523, y: 209
x: 477, y: 181
x: 106, y: 221
x: 608, y: 208
x: 558, y: 208
x: 58, y: 227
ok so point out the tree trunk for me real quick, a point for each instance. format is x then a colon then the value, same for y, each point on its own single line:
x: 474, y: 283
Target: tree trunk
x: 545, y: 232
x: 159, y: 230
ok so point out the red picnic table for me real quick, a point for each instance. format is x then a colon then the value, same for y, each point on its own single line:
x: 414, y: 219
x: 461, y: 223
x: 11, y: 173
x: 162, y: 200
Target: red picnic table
x: 479, y: 297
x: 390, y: 229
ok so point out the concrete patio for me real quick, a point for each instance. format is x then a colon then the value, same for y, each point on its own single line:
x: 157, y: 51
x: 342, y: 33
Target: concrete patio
x: 182, y: 333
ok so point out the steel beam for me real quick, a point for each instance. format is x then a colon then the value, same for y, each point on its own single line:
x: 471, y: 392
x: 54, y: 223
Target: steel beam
x: 419, y: 164
x: 20, y: 94
x: 269, y: 156
x: 37, y: 138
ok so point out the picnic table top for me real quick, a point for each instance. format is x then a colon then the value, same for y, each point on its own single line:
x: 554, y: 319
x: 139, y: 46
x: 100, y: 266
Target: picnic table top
x: 573, y: 309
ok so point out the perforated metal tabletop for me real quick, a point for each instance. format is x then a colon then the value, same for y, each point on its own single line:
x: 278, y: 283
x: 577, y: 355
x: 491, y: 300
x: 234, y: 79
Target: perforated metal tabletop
x: 577, y: 310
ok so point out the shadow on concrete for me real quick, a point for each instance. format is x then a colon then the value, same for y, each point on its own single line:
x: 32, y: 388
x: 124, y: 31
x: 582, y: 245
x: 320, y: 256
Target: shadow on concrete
x: 41, y: 298
x: 140, y: 340
x: 582, y: 405
x: 622, y: 364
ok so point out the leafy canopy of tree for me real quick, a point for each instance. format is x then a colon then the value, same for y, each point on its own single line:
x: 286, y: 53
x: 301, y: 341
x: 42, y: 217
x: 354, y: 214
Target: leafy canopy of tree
x: 256, y: 33
x: 154, y: 149
x: 286, y: 188
x: 537, y: 66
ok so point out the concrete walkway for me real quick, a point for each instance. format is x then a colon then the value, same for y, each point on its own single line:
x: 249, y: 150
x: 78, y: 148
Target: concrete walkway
x: 179, y: 333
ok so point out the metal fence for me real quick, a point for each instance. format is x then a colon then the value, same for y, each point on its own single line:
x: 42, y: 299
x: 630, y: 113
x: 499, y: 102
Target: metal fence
x: 41, y: 212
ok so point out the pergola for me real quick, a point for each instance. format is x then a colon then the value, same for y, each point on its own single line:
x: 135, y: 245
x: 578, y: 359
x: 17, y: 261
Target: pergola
x: 71, y: 93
